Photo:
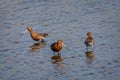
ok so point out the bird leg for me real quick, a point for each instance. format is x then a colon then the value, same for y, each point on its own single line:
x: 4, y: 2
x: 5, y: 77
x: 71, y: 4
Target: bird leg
x: 87, y: 48
x: 58, y: 54
x: 42, y: 40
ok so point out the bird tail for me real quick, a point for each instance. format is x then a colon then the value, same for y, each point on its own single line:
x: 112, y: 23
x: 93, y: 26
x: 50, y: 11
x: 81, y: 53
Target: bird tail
x: 44, y: 34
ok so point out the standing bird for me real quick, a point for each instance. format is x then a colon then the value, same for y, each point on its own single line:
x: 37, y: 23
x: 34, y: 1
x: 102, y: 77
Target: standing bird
x: 57, y: 46
x: 89, y: 41
x: 35, y: 36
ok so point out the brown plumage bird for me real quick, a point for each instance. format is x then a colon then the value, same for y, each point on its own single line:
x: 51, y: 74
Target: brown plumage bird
x: 57, y: 46
x: 89, y: 41
x: 34, y: 35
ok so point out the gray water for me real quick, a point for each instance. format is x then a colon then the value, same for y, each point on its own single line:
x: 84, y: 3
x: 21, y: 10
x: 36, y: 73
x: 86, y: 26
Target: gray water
x: 21, y: 58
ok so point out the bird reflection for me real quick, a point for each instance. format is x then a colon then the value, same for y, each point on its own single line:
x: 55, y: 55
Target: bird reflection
x: 36, y: 46
x: 89, y: 56
x: 56, y: 58
x: 58, y: 65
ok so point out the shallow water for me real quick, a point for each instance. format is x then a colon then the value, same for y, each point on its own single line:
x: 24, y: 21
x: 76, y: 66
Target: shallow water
x: 21, y: 58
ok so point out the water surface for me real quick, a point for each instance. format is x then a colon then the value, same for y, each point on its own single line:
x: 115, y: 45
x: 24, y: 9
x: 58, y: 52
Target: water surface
x: 21, y: 58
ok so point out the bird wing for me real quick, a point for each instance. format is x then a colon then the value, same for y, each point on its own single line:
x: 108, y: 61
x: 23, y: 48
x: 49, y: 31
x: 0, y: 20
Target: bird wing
x: 89, y: 39
x: 43, y: 34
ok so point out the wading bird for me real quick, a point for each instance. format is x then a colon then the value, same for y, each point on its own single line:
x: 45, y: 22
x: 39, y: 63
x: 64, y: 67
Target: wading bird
x: 34, y: 35
x: 89, y: 41
x: 57, y: 46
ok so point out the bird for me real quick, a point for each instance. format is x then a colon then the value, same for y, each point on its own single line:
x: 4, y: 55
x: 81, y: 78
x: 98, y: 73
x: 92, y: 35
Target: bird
x: 34, y: 35
x: 57, y: 46
x: 89, y: 41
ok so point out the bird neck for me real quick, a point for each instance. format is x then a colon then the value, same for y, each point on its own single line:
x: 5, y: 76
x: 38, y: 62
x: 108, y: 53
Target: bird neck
x: 30, y: 30
x: 89, y: 36
x: 59, y: 44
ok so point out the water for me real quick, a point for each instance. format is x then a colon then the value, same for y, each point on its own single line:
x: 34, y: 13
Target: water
x: 21, y: 58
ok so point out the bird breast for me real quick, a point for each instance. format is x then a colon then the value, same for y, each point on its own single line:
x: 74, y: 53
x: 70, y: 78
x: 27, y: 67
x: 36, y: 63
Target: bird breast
x: 35, y: 36
x: 55, y: 47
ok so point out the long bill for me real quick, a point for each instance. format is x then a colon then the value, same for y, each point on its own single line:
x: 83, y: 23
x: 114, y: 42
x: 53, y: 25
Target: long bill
x: 24, y: 32
x: 65, y: 46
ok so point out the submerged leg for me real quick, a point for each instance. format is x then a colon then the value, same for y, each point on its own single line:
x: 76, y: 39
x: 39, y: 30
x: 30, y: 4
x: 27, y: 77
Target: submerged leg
x: 58, y: 54
x: 92, y: 48
x: 87, y: 48
x: 42, y: 40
